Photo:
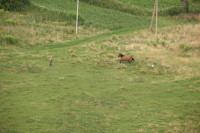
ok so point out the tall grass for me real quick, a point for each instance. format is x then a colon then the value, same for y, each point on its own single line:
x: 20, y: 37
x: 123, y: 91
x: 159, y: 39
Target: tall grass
x: 39, y: 26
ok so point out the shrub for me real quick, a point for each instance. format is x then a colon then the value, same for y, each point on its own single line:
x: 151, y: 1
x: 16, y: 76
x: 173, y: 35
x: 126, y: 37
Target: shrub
x: 14, y: 5
x: 196, y: 0
x: 11, y: 39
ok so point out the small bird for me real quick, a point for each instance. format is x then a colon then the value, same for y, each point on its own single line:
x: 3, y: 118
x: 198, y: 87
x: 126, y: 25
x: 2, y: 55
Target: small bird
x: 50, y: 60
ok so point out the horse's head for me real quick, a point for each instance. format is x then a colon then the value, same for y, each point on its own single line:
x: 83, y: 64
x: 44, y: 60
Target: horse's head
x: 120, y: 55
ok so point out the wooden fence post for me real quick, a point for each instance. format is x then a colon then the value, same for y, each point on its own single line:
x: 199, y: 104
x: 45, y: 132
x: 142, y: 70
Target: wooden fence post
x: 77, y: 17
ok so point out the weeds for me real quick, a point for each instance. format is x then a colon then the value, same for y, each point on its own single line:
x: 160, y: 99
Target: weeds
x: 163, y: 42
x: 11, y: 39
x: 185, y: 47
x: 154, y: 44
x: 10, y: 21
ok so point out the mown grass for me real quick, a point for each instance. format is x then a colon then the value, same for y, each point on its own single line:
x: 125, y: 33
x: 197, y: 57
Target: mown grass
x: 87, y: 89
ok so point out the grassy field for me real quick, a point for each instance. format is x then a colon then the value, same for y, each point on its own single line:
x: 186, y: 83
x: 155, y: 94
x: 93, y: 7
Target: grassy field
x: 106, y: 18
x: 149, y: 4
x: 87, y: 89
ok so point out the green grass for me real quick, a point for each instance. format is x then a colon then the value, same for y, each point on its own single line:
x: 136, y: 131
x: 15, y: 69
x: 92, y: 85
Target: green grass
x: 106, y: 18
x: 149, y: 4
x: 87, y: 89
x: 84, y: 93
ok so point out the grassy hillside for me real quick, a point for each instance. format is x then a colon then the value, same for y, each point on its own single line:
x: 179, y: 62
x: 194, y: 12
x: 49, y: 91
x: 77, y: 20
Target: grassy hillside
x: 149, y: 4
x: 48, y: 22
x: 87, y: 89
x: 101, y: 17
x: 167, y: 7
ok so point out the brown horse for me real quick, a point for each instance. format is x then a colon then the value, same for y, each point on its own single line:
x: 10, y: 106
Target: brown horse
x: 125, y: 58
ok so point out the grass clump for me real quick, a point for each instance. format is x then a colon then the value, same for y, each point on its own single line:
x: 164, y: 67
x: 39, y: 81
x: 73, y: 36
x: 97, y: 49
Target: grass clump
x: 163, y: 42
x: 185, y: 47
x: 11, y: 39
x: 29, y: 67
x: 10, y: 21
x: 154, y: 44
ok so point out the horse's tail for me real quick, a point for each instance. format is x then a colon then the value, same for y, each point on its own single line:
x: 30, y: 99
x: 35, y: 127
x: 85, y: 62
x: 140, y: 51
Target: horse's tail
x: 132, y: 58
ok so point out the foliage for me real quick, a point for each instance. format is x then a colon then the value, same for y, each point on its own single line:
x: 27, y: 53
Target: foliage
x: 185, y: 47
x: 163, y: 42
x: 196, y: 0
x: 174, y: 11
x: 14, y: 5
x: 10, y: 21
x: 11, y: 39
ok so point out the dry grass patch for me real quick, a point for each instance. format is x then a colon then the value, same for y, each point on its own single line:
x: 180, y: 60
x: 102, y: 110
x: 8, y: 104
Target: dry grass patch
x: 167, y: 52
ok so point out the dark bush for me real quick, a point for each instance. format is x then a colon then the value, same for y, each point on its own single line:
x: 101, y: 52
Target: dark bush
x: 173, y: 11
x: 196, y: 0
x: 14, y: 5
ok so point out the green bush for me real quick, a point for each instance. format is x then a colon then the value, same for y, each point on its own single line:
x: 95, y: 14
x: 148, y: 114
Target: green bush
x: 11, y: 39
x: 14, y: 5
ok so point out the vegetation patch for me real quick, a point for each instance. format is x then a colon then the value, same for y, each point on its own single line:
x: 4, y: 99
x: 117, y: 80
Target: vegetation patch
x: 29, y: 67
x: 114, y: 4
x: 10, y: 21
x: 87, y: 89
x: 14, y: 5
x: 11, y: 39
x: 185, y: 47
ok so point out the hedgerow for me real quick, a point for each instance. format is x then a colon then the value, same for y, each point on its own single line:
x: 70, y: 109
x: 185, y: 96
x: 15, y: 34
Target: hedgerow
x: 14, y: 5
